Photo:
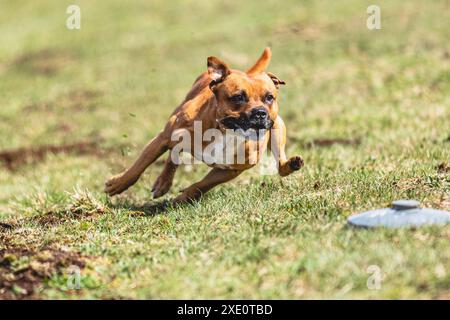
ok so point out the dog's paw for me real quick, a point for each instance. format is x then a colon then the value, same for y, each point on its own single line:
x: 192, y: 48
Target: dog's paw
x: 296, y: 163
x: 180, y: 200
x: 188, y: 195
x: 161, y: 187
x: 117, y: 184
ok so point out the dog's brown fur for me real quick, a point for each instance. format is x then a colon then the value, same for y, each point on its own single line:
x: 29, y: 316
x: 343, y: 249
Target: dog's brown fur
x: 208, y: 101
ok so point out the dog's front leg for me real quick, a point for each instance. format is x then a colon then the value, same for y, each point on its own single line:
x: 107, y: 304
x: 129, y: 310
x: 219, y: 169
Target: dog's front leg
x: 277, y: 145
x: 215, y: 177
x: 121, y: 182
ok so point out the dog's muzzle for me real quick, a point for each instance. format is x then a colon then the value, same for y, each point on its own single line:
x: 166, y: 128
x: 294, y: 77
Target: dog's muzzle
x: 257, y: 119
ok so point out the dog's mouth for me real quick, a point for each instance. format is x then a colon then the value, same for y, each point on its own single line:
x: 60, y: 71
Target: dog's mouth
x: 244, y: 123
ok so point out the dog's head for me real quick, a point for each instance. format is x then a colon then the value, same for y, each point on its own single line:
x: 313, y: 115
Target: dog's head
x: 246, y: 100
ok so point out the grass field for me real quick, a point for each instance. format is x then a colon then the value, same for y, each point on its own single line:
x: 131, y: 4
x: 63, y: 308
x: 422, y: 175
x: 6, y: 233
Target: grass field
x: 368, y: 111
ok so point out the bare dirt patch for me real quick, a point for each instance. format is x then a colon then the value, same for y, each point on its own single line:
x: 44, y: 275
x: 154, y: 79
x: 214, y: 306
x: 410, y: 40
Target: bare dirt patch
x: 328, y: 142
x: 14, y: 158
x: 406, y: 184
x: 82, y: 206
x: 23, y: 270
x: 6, y: 226
x: 73, y: 212
x: 45, y: 62
x: 75, y: 100
x: 443, y: 168
x: 28, y: 261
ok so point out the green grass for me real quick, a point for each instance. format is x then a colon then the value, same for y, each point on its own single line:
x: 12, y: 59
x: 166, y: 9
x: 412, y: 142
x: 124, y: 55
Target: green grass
x: 117, y: 80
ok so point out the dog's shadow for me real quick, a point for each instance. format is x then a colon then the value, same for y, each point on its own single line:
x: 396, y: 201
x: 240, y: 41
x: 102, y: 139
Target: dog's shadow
x: 145, y: 210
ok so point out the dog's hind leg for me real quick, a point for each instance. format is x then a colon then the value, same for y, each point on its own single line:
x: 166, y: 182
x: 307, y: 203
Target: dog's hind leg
x: 215, y: 177
x: 165, y: 179
x: 154, y: 149
x: 277, y: 144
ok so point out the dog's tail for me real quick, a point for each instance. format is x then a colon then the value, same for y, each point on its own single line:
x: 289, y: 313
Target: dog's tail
x: 262, y: 62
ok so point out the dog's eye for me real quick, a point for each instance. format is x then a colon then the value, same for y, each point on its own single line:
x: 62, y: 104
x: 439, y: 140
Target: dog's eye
x: 238, y: 98
x: 269, y: 98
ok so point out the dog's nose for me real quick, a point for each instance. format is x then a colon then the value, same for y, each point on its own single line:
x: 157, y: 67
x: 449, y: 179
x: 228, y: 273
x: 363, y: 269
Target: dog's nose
x: 259, y: 113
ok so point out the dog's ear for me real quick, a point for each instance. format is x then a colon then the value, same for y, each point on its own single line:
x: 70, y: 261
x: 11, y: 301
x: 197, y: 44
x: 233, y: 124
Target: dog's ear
x: 262, y: 62
x: 276, y: 81
x: 218, y: 70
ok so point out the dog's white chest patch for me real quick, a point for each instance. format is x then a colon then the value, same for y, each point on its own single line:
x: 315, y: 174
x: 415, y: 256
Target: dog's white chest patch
x: 233, y: 148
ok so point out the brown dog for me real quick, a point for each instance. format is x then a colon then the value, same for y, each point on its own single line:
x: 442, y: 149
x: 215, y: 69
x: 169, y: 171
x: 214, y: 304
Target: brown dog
x: 223, y: 99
